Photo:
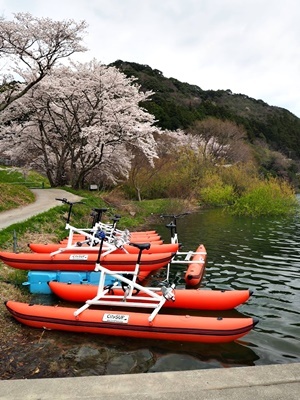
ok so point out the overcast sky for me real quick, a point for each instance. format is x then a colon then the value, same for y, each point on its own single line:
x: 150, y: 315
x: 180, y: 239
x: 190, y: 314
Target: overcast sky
x: 251, y: 47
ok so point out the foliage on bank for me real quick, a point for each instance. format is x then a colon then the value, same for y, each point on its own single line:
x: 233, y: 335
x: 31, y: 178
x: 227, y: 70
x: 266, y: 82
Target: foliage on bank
x: 250, y: 195
x: 239, y: 188
x: 179, y: 185
x: 268, y: 197
x: 22, y: 176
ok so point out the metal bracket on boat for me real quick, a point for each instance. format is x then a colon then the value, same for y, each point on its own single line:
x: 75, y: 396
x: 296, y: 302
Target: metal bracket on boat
x: 188, y: 255
x: 126, y: 293
x: 168, y: 293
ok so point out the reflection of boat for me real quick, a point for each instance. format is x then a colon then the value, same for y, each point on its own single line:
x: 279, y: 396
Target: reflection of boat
x: 84, y: 262
x: 132, y: 324
x: 199, y: 299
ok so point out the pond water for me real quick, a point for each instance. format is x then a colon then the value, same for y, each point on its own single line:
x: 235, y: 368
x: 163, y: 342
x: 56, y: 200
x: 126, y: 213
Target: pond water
x: 260, y: 254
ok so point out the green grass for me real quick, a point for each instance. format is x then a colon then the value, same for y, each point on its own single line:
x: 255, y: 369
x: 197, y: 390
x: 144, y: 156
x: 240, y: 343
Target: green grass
x: 13, y: 196
x: 14, y: 187
x: 17, y: 176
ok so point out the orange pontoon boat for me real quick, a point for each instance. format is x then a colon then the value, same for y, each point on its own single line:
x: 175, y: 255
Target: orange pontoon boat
x: 133, y: 237
x: 196, y: 299
x: 130, y: 323
x: 196, y: 268
x: 126, y: 248
x: 183, y: 328
x: 196, y: 261
x: 84, y: 262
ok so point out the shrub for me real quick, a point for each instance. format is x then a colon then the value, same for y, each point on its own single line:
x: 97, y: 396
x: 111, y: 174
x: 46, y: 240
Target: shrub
x: 240, y: 176
x: 213, y: 191
x: 218, y: 195
x: 268, y: 197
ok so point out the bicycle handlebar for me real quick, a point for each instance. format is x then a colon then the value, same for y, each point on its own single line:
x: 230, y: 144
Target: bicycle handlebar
x: 70, y: 204
x: 66, y: 201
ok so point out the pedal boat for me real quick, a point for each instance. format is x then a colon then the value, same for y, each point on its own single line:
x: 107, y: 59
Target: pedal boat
x: 134, y: 237
x: 105, y: 317
x: 194, y: 299
x: 84, y: 262
x: 83, y: 248
x: 126, y: 323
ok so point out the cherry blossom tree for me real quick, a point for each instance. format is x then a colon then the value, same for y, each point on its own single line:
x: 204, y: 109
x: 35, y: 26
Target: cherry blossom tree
x: 29, y: 48
x: 79, y: 118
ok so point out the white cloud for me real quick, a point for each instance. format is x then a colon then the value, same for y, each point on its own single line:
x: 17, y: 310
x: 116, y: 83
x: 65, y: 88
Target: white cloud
x: 249, y: 47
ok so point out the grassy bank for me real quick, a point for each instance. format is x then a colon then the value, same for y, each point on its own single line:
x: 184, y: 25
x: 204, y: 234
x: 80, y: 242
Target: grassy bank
x: 50, y: 226
x: 12, y: 196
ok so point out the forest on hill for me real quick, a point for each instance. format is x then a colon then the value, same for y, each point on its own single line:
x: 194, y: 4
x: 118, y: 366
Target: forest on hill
x: 273, y: 132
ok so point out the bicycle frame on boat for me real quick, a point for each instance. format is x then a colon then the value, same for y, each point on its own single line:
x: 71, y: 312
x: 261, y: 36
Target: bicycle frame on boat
x: 151, y: 299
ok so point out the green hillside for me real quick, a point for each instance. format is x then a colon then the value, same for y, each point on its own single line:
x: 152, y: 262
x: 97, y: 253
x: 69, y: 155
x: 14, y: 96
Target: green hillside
x: 177, y: 105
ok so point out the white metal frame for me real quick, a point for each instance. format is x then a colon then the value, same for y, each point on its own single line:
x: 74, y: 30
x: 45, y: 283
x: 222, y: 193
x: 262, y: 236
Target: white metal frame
x: 151, y: 299
x: 110, y: 245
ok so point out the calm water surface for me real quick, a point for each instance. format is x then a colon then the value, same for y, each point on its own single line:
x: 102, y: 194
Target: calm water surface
x: 263, y: 255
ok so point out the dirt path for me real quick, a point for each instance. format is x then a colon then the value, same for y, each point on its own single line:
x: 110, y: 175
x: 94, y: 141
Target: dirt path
x: 45, y: 199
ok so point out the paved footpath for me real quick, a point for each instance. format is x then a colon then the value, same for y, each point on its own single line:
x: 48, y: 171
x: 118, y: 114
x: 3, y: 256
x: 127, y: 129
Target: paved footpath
x: 45, y: 199
x: 271, y: 382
